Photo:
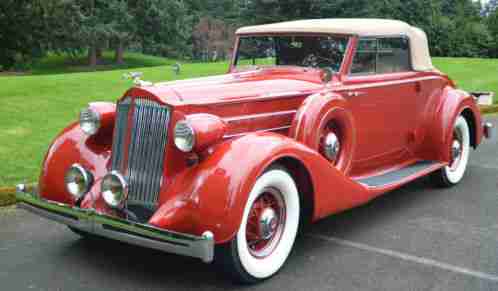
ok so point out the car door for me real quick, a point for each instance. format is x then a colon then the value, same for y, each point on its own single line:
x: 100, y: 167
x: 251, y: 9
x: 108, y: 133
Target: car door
x: 381, y: 89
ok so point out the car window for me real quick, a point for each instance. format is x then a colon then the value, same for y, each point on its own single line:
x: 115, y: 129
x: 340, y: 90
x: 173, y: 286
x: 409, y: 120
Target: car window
x: 292, y: 50
x: 365, y: 59
x: 393, y: 55
x: 381, y: 56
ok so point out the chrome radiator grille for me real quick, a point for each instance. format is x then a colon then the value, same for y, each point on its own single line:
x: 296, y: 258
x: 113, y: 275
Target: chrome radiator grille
x: 139, y: 153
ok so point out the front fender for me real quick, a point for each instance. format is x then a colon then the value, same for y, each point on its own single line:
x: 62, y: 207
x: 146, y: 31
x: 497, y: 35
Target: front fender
x: 212, y: 195
x: 69, y: 147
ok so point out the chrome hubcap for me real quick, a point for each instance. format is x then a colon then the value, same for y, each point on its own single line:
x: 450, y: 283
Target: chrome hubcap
x: 268, y: 223
x: 332, y: 146
x: 456, y: 149
x: 265, y: 223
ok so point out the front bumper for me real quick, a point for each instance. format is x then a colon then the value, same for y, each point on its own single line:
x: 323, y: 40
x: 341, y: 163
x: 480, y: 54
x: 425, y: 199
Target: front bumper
x: 90, y: 221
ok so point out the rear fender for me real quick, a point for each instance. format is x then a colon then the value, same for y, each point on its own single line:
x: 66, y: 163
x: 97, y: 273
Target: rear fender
x: 453, y: 103
x: 212, y: 195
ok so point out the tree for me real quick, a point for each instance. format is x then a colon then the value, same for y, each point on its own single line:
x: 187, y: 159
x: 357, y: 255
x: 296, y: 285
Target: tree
x: 162, y: 27
x: 182, y: 28
x: 119, y: 26
x: 492, y: 23
x: 21, y: 30
x: 61, y: 23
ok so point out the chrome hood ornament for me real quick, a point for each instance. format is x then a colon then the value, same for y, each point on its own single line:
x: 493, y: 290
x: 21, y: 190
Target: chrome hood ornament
x: 137, y: 79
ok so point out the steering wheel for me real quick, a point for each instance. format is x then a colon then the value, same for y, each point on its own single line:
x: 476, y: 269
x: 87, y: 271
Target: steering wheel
x: 315, y: 61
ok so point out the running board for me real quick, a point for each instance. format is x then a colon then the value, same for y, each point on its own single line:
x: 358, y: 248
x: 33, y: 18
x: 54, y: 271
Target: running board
x: 397, y: 176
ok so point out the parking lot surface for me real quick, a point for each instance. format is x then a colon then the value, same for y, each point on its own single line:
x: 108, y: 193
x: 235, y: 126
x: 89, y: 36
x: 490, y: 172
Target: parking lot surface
x: 415, y: 238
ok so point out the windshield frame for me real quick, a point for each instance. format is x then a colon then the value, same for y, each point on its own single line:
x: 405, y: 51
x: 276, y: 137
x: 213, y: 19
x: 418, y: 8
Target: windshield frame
x: 235, y: 56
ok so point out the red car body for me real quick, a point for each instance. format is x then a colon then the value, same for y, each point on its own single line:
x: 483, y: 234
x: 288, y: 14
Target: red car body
x: 272, y: 114
x: 248, y: 120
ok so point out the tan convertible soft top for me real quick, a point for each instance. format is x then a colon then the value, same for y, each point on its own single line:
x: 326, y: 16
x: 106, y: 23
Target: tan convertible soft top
x: 421, y: 59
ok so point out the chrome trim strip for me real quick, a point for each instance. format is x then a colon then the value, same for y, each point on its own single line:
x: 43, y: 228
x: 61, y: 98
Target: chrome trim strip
x: 258, y: 116
x: 260, y: 98
x: 144, y: 235
x: 211, y: 80
x: 120, y: 134
x: 281, y: 94
x: 257, y: 131
x: 386, y: 83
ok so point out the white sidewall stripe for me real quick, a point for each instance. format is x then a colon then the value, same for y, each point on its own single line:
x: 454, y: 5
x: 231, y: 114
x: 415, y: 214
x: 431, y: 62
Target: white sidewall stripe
x: 266, y: 267
x: 456, y: 175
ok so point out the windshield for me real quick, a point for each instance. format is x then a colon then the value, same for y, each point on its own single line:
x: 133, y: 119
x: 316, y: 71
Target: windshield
x: 303, y: 51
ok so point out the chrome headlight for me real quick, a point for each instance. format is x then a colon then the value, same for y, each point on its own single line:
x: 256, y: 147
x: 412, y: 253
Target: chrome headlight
x: 78, y: 181
x: 114, y: 189
x: 89, y: 121
x: 184, y: 136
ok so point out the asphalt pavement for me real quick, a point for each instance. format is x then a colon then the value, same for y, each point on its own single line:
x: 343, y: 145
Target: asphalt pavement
x: 415, y: 238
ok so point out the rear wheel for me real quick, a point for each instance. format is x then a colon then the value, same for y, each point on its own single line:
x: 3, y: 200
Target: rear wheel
x: 460, y: 151
x: 267, y: 232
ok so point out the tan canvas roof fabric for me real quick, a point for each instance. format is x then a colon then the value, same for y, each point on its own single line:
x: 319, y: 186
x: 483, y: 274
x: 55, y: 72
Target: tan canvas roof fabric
x: 421, y: 60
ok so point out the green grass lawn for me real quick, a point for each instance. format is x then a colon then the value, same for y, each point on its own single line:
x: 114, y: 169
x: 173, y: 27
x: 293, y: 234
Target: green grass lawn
x: 34, y: 108
x: 61, y: 64
x: 471, y: 74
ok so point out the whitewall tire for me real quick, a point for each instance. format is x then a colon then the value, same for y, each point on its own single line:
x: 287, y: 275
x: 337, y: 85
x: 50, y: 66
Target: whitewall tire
x: 268, y: 229
x: 460, y: 152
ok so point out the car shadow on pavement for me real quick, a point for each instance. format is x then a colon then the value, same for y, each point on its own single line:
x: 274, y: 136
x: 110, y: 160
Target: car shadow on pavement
x: 143, y: 267
x: 412, y: 200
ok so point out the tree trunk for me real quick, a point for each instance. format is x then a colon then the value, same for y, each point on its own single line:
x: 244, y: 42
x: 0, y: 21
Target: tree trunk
x: 92, y: 56
x: 119, y: 56
x: 98, y: 52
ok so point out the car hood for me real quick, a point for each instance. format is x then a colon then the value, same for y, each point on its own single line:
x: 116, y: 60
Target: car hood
x: 238, y: 86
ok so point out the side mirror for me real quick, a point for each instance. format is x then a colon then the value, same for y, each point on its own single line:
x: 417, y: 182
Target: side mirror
x: 327, y: 74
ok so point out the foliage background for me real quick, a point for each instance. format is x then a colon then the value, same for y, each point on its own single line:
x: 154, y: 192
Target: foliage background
x: 203, y: 29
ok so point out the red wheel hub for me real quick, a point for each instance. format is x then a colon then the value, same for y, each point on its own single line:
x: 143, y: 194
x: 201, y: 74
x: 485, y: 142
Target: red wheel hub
x: 265, y: 223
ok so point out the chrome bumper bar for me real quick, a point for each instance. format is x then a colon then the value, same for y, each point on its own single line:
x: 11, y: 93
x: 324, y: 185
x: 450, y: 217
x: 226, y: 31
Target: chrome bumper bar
x: 90, y: 221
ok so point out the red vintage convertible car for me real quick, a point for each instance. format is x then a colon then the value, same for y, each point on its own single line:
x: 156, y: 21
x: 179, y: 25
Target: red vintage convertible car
x: 314, y: 117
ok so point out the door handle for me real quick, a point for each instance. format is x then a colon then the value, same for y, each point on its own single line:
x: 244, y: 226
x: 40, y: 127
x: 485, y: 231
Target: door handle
x: 418, y: 87
x: 356, y: 93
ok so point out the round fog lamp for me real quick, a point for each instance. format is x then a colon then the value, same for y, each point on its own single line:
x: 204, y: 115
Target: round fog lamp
x: 114, y: 189
x: 184, y: 136
x: 89, y: 121
x: 78, y: 181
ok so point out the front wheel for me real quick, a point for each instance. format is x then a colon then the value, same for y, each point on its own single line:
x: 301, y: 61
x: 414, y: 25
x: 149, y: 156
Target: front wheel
x: 267, y: 232
x: 460, y: 151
